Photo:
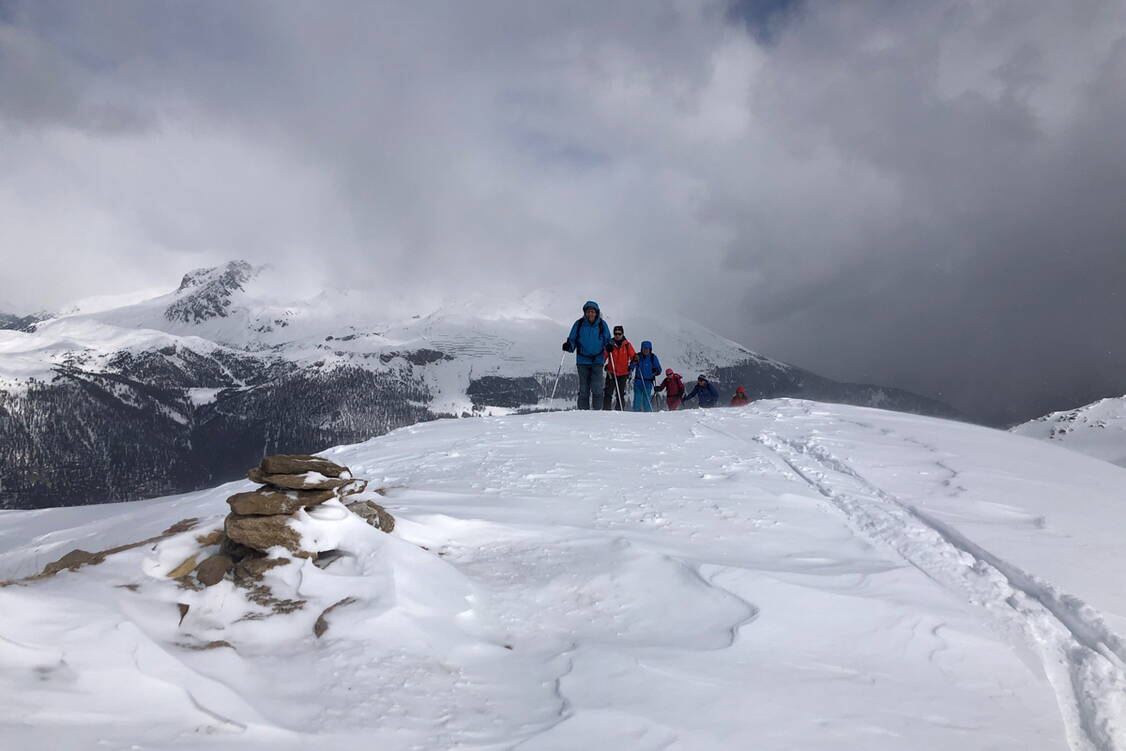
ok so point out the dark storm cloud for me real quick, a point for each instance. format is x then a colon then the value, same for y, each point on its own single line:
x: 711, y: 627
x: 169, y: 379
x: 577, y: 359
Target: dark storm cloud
x: 922, y: 194
x: 993, y: 270
x: 764, y: 19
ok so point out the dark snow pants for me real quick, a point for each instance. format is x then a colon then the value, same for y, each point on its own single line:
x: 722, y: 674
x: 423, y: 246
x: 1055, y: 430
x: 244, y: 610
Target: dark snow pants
x: 615, y: 392
x: 590, y: 386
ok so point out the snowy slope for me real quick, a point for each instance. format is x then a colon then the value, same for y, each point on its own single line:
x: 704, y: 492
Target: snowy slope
x: 1097, y: 429
x: 790, y: 575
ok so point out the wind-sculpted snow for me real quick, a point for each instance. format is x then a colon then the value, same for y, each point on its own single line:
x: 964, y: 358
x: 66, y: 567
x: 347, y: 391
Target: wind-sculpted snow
x: 786, y: 576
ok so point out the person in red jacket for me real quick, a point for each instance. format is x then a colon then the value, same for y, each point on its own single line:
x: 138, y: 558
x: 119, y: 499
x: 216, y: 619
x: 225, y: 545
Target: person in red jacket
x: 673, y: 386
x: 740, y: 399
x: 617, y: 369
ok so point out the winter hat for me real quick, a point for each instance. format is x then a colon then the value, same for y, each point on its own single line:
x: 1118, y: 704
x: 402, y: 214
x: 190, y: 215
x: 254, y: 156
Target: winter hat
x: 619, y: 330
x: 701, y: 377
x: 739, y: 390
x: 647, y: 345
x: 668, y: 371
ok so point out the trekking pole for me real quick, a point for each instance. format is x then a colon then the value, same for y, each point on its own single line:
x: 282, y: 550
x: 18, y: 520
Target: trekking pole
x: 557, y: 374
x: 645, y: 390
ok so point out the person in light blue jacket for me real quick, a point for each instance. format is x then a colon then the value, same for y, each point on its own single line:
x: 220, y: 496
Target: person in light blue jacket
x: 589, y: 339
x: 645, y: 370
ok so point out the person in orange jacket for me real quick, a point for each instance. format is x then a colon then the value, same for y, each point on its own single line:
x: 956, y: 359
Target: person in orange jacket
x: 617, y: 370
x: 740, y: 399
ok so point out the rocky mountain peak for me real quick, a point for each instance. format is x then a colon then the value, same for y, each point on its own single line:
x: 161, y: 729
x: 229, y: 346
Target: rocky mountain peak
x: 206, y: 293
x: 25, y: 323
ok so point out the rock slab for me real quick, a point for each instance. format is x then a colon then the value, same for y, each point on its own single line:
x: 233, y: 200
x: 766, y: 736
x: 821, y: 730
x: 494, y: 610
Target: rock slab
x: 306, y: 481
x: 266, y: 502
x: 264, y: 532
x: 297, y: 464
x: 373, y: 514
x: 212, y: 570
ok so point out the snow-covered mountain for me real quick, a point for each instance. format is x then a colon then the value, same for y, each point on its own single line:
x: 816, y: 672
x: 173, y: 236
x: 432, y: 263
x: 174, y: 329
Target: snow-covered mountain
x: 15, y: 322
x: 1097, y: 429
x: 143, y: 395
x: 784, y: 576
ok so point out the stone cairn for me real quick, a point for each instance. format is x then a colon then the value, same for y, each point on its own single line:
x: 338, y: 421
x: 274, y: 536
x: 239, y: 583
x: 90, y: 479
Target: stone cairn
x: 259, y: 519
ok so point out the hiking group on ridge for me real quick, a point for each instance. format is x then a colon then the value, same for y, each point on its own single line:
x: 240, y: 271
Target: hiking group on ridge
x: 606, y: 363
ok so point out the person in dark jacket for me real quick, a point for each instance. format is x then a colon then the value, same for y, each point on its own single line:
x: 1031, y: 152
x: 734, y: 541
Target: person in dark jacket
x: 740, y: 399
x: 589, y: 340
x: 673, y: 386
x: 645, y: 369
x: 705, y: 390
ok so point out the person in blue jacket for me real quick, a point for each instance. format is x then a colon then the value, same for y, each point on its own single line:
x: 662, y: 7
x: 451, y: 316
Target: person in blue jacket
x: 705, y: 390
x: 645, y: 370
x: 589, y: 339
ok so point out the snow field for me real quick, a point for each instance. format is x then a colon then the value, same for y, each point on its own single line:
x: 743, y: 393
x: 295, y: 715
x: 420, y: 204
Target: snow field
x: 790, y: 575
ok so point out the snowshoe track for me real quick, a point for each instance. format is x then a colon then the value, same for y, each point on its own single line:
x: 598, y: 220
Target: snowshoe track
x: 1082, y: 658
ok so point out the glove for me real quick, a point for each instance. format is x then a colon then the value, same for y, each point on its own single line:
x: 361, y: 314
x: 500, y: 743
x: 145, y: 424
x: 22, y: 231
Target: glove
x: 567, y: 347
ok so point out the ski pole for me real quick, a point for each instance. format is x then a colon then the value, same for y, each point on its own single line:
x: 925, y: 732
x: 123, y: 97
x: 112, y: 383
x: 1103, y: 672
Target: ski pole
x: 557, y: 374
x: 651, y: 393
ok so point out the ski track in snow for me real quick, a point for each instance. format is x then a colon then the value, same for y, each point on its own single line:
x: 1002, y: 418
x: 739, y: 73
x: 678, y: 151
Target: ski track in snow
x: 1085, y: 661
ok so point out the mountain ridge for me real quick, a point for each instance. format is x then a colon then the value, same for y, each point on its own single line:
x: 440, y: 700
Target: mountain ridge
x: 1097, y: 429
x: 182, y: 390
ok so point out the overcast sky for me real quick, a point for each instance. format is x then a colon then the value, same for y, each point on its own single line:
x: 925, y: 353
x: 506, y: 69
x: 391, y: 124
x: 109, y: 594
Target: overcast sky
x: 924, y: 193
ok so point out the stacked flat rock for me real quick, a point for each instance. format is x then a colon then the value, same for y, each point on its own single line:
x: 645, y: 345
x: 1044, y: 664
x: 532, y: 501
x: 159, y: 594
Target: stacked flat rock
x: 259, y: 519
